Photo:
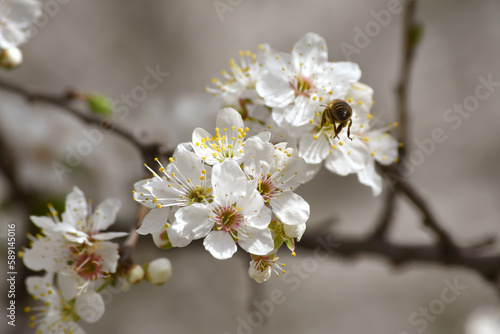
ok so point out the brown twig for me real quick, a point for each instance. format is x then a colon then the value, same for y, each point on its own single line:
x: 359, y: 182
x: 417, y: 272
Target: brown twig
x: 487, y: 266
x: 64, y: 101
x: 409, y: 48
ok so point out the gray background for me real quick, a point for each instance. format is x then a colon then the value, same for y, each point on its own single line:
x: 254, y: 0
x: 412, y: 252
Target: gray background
x: 105, y: 46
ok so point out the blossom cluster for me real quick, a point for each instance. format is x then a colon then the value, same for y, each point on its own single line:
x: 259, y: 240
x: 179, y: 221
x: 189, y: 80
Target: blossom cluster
x: 283, y: 116
x: 292, y: 94
x: 79, y: 260
x: 16, y: 16
x: 229, y: 189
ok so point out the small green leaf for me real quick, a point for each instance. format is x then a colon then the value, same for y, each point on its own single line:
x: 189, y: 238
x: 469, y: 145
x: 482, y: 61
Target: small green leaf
x: 278, y: 241
x: 416, y: 33
x: 100, y: 104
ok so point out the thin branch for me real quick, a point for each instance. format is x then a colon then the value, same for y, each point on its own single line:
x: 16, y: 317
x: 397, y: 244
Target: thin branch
x: 409, y: 48
x: 487, y: 266
x: 148, y: 150
x: 410, y: 43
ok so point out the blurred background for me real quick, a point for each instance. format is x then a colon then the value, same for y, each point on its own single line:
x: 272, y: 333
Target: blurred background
x: 107, y: 46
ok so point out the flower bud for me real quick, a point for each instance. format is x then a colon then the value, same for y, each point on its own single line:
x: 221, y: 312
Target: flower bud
x: 11, y: 58
x: 159, y: 271
x: 135, y: 274
x: 295, y: 231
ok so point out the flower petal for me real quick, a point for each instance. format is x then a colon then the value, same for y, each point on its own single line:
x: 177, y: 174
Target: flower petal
x: 260, y: 242
x: 220, y: 245
x: 109, y: 235
x: 192, y: 222
x: 154, y: 221
x: 371, y: 178
x: 314, y: 151
x: 352, y: 157
x: 89, y: 306
x: 276, y: 91
x: 290, y: 208
x: 76, y: 208
x: 105, y: 214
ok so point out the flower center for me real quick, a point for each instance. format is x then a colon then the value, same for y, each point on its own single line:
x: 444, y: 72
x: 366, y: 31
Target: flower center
x: 199, y: 195
x: 266, y: 188
x: 228, y: 218
x: 303, y: 86
x: 89, y: 266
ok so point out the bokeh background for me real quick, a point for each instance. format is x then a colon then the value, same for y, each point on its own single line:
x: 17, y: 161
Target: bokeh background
x: 106, y: 46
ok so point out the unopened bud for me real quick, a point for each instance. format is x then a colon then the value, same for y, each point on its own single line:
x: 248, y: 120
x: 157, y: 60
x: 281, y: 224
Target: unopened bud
x: 11, y: 58
x: 135, y: 274
x: 159, y: 271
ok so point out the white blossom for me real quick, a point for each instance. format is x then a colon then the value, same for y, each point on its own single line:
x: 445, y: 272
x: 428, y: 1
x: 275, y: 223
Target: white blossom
x: 299, y: 81
x: 61, y: 309
x: 76, y: 246
x: 16, y: 16
x: 279, y: 170
x: 236, y: 215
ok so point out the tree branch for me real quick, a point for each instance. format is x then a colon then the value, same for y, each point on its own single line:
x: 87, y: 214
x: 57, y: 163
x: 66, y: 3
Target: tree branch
x: 64, y: 101
x: 487, y: 266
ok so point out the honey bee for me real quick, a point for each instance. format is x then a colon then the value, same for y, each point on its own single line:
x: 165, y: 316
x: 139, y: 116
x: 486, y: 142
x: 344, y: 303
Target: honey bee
x: 338, y: 111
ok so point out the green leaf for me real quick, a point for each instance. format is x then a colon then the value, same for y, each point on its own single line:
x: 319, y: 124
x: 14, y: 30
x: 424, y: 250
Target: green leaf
x: 416, y: 33
x: 100, y: 104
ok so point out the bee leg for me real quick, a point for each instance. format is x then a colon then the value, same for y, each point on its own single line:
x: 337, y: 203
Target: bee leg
x: 349, y: 129
x: 337, y: 130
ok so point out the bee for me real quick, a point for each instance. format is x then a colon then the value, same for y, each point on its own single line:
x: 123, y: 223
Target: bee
x: 338, y: 111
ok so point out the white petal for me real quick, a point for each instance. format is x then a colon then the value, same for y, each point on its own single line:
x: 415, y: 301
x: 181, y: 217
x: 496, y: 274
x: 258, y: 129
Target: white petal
x: 76, y: 208
x: 105, y: 214
x: 37, y: 285
x: 109, y: 235
x: 343, y: 72
x: 295, y: 231
x: 192, y: 222
x: 312, y: 170
x: 309, y: 51
x: 276, y: 91
x: 301, y: 112
x: 154, y: 221
x: 314, y: 151
x: 260, y: 220
x: 202, y: 152
x: 228, y: 182
x: 228, y: 117
x: 383, y: 145
x: 352, y: 157
x: 260, y: 242
x: 290, y: 208
x: 370, y: 177
x: 176, y: 239
x: 46, y: 254
x: 259, y: 276
x: 109, y: 253
x: 45, y: 223
x: 220, y: 245
x: 89, y: 306
x: 292, y: 175
x: 69, y: 286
